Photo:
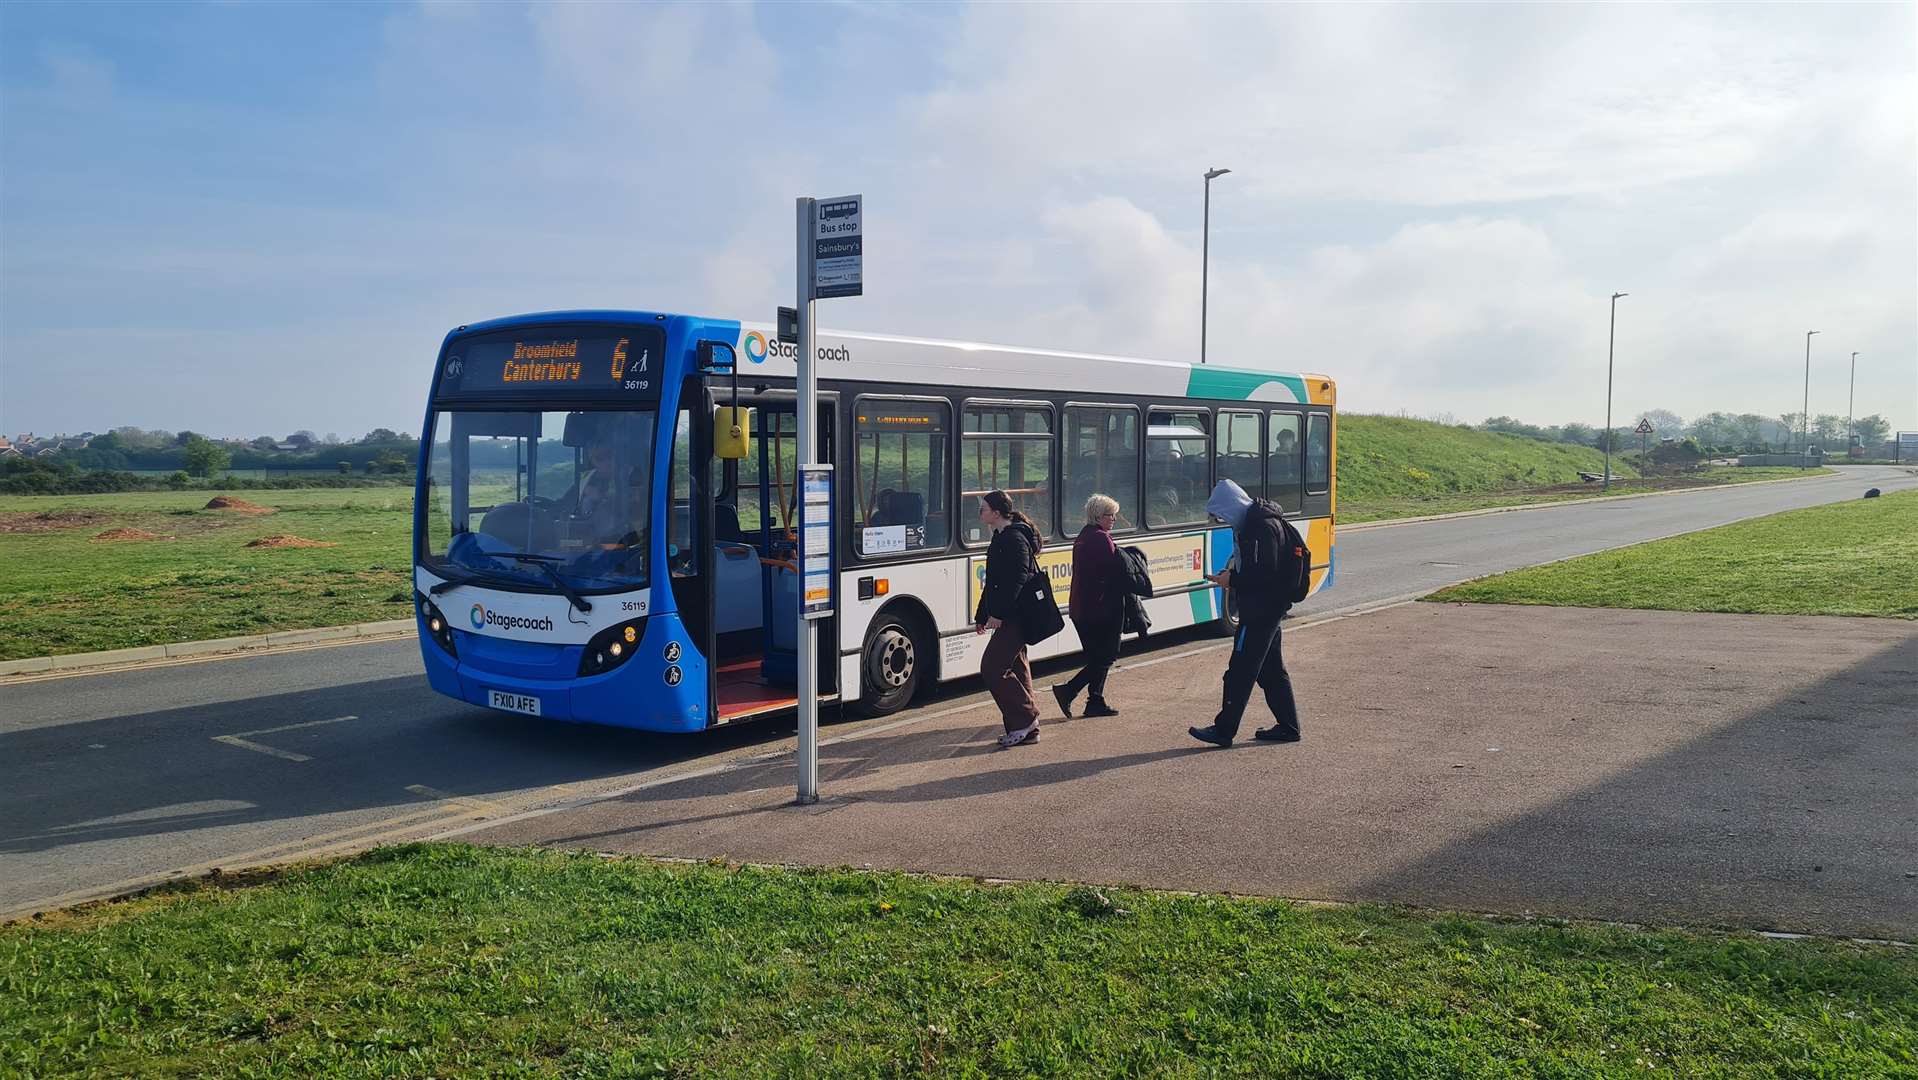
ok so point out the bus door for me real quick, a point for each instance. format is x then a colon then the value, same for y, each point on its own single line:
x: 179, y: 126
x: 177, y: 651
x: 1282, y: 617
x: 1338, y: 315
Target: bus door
x: 756, y: 583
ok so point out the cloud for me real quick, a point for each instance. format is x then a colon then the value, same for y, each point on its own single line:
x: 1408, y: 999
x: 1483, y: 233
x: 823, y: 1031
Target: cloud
x: 1430, y: 203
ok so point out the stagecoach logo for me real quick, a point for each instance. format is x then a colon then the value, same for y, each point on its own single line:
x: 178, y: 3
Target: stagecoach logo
x: 482, y: 618
x: 453, y: 367
x: 758, y: 348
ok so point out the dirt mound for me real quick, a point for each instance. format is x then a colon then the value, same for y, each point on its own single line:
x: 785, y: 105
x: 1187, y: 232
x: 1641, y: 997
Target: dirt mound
x: 285, y: 541
x: 228, y: 502
x: 128, y: 534
x: 49, y: 520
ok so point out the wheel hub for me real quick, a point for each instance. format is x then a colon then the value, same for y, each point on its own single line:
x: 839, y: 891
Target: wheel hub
x: 892, y: 658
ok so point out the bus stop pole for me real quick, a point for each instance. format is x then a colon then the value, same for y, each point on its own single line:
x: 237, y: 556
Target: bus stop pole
x: 808, y: 455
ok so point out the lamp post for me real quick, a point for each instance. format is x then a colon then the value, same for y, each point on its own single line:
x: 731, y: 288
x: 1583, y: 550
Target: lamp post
x: 1205, y: 254
x: 1610, y: 345
x: 1804, y: 417
x: 1851, y: 408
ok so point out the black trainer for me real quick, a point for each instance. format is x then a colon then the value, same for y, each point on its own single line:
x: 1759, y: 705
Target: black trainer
x: 1277, y: 734
x: 1065, y: 701
x: 1098, y: 707
x: 1210, y: 734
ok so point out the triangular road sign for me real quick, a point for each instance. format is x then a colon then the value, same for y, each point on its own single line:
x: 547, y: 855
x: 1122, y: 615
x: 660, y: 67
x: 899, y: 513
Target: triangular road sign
x: 1644, y: 427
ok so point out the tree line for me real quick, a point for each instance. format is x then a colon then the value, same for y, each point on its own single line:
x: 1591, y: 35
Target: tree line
x: 381, y: 450
x: 1713, y: 432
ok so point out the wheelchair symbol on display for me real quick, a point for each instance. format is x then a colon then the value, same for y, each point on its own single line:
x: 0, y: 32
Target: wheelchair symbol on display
x: 672, y: 652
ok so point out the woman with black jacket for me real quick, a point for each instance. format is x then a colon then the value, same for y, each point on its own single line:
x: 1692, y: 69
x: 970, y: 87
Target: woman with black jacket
x: 1012, y: 558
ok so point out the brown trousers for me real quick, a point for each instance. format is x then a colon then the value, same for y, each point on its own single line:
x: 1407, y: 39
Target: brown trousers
x: 1009, y: 676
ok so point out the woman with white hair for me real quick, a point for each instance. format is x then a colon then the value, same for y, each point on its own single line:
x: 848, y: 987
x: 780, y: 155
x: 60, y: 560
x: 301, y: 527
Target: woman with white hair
x: 1099, y: 578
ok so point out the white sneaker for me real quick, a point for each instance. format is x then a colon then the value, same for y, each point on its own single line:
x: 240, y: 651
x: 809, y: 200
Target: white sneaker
x: 1024, y: 736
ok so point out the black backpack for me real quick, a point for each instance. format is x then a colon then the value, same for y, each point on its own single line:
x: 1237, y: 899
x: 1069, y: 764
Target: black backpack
x: 1295, y: 563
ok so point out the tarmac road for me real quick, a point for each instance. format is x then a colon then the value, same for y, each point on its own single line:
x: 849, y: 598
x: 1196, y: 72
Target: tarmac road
x: 119, y: 780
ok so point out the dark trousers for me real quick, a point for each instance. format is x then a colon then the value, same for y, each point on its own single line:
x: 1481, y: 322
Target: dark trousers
x: 1009, y: 677
x: 1100, y: 640
x: 1256, y: 659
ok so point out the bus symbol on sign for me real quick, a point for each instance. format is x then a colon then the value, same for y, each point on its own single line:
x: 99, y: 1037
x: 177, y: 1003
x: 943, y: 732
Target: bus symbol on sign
x: 1644, y: 428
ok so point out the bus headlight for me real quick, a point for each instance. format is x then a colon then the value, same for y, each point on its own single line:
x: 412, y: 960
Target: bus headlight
x: 611, y: 647
x: 437, y: 627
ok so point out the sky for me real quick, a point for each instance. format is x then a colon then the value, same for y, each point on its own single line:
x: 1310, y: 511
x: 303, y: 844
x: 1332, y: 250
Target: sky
x: 253, y: 218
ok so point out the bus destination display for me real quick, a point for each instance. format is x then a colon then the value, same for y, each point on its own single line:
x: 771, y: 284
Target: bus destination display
x: 550, y: 361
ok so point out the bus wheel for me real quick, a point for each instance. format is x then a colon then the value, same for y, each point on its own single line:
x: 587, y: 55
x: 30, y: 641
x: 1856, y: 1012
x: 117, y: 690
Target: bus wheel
x: 891, y: 665
x: 1228, y: 624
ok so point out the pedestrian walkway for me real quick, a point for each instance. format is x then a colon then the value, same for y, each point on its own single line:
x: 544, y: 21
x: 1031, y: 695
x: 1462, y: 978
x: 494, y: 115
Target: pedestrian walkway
x: 1749, y: 771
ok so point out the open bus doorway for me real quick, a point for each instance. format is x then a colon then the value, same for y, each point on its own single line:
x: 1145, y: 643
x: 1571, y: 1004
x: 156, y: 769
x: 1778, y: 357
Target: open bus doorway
x: 754, y: 584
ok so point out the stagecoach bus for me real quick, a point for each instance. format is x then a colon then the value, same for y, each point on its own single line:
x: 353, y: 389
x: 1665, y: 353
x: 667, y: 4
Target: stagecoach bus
x: 597, y: 539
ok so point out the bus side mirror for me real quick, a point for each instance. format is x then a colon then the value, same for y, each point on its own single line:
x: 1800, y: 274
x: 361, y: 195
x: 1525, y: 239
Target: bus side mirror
x: 732, y: 432
x: 716, y: 356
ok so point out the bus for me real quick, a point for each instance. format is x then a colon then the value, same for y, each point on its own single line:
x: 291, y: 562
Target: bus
x: 599, y: 538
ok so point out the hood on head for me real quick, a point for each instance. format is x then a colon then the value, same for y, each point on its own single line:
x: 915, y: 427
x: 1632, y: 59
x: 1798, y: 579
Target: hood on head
x: 1228, y: 503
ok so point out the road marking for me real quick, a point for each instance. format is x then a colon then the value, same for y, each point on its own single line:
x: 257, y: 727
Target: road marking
x: 481, y: 806
x: 238, y: 740
x: 235, y: 740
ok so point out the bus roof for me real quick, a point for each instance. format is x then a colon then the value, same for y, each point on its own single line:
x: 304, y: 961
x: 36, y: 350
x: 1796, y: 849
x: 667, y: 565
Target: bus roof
x: 1005, y: 369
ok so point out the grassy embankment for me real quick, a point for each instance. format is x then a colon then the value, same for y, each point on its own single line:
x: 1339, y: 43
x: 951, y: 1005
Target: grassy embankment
x: 1852, y: 558
x: 1391, y: 467
x: 63, y: 591
x: 422, y: 961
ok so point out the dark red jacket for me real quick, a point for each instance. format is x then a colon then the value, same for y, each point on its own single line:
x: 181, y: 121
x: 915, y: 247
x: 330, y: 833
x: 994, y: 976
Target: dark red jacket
x: 1098, y: 576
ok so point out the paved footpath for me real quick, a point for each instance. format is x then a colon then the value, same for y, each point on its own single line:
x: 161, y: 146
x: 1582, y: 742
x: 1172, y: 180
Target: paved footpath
x: 1659, y: 767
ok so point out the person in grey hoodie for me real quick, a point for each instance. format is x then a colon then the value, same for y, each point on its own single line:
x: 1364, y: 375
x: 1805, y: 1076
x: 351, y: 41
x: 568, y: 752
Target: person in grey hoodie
x: 1256, y: 580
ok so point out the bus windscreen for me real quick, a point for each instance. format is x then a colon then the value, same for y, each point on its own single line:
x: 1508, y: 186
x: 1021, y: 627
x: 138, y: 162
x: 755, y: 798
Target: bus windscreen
x: 622, y: 364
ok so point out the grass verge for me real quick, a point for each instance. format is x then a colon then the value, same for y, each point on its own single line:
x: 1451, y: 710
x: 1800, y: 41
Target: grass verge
x: 438, y: 960
x: 64, y: 591
x: 1852, y: 558
x: 1382, y: 508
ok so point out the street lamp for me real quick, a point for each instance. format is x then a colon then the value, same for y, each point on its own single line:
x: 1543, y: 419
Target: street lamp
x: 1205, y: 254
x: 1851, y: 408
x: 1610, y: 344
x: 1804, y: 417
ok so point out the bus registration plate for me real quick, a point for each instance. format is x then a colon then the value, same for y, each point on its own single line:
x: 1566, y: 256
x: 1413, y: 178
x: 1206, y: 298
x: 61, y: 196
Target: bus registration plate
x: 519, y: 703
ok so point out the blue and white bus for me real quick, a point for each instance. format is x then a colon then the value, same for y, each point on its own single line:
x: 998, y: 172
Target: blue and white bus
x: 589, y: 546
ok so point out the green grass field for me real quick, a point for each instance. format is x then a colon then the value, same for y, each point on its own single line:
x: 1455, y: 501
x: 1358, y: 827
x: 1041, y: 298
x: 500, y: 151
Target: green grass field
x: 64, y: 591
x: 438, y: 961
x: 1385, y: 508
x: 1853, y: 558
x: 1387, y: 457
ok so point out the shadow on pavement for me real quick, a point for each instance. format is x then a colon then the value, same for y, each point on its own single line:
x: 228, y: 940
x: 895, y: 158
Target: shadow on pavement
x: 1802, y: 814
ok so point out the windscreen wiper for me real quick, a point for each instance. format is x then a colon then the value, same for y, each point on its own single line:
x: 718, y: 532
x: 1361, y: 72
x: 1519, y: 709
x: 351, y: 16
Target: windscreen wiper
x: 466, y: 579
x: 545, y: 562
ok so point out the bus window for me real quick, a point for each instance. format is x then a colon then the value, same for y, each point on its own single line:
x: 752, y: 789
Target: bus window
x: 568, y: 488
x: 899, y: 475
x: 1008, y: 447
x: 1177, y: 472
x: 1101, y: 456
x: 1282, y: 461
x: 1241, y: 450
x: 680, y: 555
x: 1318, y: 453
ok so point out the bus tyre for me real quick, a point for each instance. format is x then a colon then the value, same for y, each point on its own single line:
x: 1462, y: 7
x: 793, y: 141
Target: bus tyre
x: 1228, y: 614
x: 892, y: 664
